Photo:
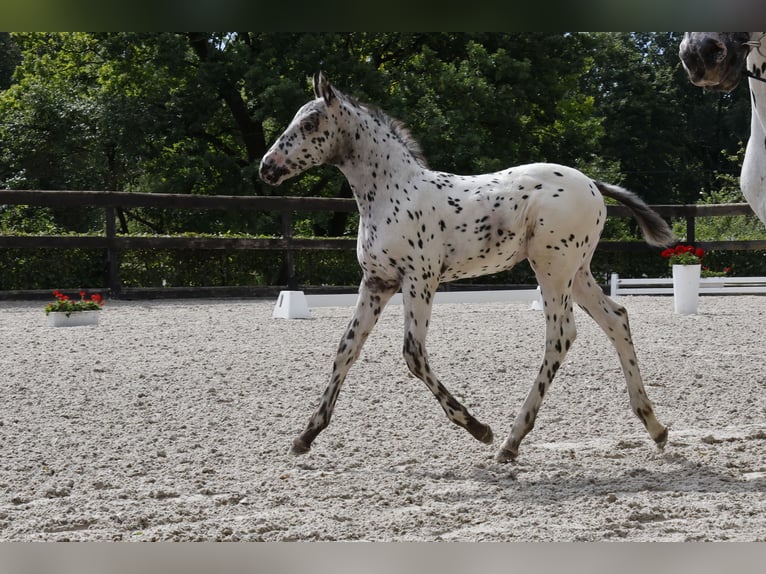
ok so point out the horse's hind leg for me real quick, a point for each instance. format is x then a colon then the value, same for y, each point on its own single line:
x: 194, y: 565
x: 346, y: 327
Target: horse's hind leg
x: 613, y: 320
x: 418, y: 301
x: 373, y: 296
x: 560, y: 333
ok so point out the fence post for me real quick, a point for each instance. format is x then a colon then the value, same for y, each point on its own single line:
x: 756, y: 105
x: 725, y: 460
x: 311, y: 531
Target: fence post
x: 690, y: 228
x: 287, y: 233
x: 112, y: 262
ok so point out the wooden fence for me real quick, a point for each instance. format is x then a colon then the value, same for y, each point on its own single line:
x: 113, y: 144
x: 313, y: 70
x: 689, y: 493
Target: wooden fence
x: 112, y: 242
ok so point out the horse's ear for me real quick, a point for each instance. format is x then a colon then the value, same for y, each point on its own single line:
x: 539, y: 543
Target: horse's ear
x: 323, y: 88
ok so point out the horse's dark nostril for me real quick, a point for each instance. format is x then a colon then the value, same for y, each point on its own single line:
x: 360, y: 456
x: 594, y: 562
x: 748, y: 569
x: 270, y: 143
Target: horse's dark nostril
x: 267, y: 170
x: 712, y: 51
x: 270, y: 172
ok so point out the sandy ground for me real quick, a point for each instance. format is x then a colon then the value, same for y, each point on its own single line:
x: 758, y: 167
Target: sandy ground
x: 172, y: 420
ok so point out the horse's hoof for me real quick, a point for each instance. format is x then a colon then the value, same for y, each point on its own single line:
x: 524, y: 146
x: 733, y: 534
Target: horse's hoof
x: 299, y: 447
x: 481, y: 432
x: 488, y: 437
x: 504, y: 455
x: 662, y: 439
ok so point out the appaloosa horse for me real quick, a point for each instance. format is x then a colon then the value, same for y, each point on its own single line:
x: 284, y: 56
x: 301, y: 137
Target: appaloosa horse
x: 718, y: 61
x: 419, y: 227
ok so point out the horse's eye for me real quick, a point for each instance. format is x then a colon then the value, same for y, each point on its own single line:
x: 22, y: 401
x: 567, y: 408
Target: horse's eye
x: 308, y: 126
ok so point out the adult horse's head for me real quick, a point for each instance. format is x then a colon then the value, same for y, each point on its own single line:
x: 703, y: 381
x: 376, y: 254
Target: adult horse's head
x: 715, y: 60
x: 311, y: 139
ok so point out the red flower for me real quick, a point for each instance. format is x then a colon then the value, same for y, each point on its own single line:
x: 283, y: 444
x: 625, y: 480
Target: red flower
x: 684, y: 255
x: 66, y: 305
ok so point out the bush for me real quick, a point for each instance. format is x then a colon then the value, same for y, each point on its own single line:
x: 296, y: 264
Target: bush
x: 52, y: 268
x: 190, y: 268
x: 22, y: 269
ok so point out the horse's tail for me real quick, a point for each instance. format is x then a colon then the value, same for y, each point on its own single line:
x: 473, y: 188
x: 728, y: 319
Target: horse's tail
x: 655, y: 229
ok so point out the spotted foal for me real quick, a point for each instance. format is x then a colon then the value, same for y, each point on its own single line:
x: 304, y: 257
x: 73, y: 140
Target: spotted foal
x: 419, y: 227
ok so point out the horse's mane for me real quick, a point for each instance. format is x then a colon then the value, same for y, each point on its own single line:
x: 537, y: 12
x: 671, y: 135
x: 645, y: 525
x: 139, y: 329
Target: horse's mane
x: 397, y: 127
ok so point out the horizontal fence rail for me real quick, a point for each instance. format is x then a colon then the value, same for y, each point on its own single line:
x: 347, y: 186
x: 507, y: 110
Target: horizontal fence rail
x: 172, y: 201
x: 708, y: 286
x: 112, y: 242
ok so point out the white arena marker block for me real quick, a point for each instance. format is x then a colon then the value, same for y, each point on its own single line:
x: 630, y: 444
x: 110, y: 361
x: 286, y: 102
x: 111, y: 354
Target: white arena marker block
x: 291, y: 305
x: 537, y: 302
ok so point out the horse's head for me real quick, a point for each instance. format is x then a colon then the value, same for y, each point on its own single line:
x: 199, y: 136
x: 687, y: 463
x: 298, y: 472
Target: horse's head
x: 715, y: 60
x: 312, y: 138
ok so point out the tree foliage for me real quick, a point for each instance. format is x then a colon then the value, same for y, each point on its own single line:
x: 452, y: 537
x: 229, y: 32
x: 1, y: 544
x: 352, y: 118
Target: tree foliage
x: 194, y: 113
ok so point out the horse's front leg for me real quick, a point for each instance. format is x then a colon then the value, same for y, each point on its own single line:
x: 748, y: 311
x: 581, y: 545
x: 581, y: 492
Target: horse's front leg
x: 373, y: 296
x: 418, y: 301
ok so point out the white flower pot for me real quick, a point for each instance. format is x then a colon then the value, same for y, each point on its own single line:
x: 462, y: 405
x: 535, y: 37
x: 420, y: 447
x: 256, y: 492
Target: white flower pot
x: 686, y: 288
x: 75, y: 319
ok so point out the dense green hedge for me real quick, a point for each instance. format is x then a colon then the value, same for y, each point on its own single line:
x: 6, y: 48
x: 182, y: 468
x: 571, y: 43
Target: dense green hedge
x: 76, y: 268
x: 51, y: 268
x: 190, y: 268
x: 70, y: 269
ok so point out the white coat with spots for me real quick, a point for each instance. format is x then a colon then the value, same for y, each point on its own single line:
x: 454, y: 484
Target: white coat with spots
x: 718, y: 61
x: 420, y: 227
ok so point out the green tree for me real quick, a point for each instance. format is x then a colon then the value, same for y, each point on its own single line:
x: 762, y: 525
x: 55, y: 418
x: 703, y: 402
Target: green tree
x: 9, y: 59
x: 666, y: 134
x: 194, y: 112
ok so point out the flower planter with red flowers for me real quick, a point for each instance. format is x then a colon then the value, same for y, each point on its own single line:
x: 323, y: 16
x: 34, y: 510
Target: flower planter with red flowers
x: 686, y: 289
x: 686, y: 262
x: 67, y: 312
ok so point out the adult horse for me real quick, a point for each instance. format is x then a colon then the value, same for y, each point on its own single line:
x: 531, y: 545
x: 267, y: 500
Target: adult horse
x: 419, y: 227
x: 718, y: 61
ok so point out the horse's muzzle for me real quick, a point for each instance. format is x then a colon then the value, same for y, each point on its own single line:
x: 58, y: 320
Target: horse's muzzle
x: 272, y: 173
x: 712, y: 63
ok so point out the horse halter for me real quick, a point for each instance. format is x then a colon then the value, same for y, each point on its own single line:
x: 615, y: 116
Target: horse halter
x: 757, y: 44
